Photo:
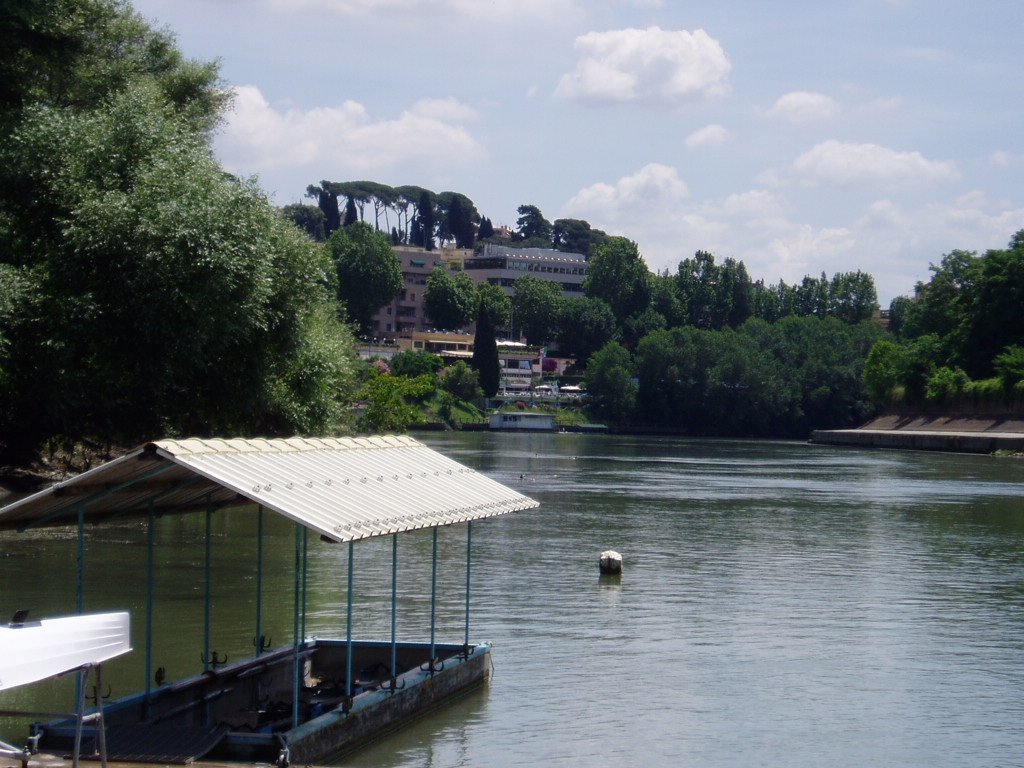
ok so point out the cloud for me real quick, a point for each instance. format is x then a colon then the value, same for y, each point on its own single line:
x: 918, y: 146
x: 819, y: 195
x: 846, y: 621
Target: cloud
x: 259, y: 137
x: 836, y: 162
x: 646, y: 65
x: 1002, y: 159
x: 805, y: 106
x: 652, y: 187
x: 708, y: 136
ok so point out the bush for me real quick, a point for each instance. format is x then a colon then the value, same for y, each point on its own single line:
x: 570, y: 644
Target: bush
x: 461, y: 381
x: 946, y: 385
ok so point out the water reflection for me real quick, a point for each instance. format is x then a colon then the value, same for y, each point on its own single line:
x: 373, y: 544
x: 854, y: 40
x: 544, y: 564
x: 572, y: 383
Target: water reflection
x: 781, y: 605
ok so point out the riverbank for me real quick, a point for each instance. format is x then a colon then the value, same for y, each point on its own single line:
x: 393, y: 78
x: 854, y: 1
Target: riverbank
x: 957, y: 434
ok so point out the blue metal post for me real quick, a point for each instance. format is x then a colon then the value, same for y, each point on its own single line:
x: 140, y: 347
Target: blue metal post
x: 394, y: 609
x: 348, y: 624
x: 305, y: 575
x: 207, y: 586
x: 433, y: 601
x: 296, y: 667
x: 469, y: 552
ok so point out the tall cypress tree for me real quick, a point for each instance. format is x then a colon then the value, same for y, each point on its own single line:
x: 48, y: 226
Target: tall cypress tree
x: 485, y: 354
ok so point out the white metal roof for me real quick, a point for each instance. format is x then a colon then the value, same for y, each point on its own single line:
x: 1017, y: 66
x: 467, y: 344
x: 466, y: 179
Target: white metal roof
x: 343, y: 488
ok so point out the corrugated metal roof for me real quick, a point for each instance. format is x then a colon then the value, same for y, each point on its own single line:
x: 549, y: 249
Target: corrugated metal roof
x: 343, y: 488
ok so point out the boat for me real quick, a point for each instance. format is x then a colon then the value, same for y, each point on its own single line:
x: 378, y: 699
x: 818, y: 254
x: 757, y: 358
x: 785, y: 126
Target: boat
x: 312, y: 698
x: 522, y: 421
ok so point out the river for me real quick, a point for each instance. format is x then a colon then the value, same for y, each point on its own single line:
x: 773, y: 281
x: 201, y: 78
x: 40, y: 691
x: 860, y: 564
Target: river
x: 781, y: 605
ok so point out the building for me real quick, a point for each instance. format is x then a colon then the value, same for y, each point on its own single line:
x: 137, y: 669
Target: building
x: 406, y: 314
x: 502, y: 265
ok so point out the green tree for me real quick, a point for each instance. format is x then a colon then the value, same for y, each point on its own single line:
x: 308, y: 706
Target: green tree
x: 485, y: 359
x: 576, y: 236
x: 882, y: 371
x: 461, y: 381
x: 532, y: 225
x: 996, y: 316
x: 450, y: 300
x: 852, y: 296
x: 536, y: 305
x: 369, y: 273
x: 457, y: 217
x: 496, y: 303
x: 618, y: 275
x: 413, y: 363
x: 165, y: 297
x: 585, y: 325
x: 390, y: 401
x: 309, y: 218
x: 609, y: 380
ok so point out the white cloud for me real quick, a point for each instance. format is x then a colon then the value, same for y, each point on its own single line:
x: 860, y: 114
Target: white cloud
x: 653, y: 187
x: 836, y: 162
x: 708, y: 136
x: 259, y: 137
x: 647, y: 65
x: 805, y: 106
x: 1003, y: 159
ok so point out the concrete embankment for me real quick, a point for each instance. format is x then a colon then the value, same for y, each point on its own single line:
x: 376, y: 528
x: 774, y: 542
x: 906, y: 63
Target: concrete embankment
x: 959, y: 434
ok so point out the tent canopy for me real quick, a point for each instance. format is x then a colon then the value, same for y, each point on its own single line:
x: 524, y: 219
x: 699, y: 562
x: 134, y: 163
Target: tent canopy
x: 343, y: 488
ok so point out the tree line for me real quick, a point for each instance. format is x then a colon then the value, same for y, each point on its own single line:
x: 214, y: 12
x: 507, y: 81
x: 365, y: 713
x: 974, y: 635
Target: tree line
x: 960, y: 342
x: 144, y: 291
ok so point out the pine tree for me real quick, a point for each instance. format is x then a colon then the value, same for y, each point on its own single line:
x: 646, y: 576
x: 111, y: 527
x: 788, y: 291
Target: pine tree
x: 485, y: 354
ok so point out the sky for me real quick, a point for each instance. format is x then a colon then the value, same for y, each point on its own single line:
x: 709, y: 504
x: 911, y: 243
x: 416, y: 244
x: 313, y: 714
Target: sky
x: 798, y: 137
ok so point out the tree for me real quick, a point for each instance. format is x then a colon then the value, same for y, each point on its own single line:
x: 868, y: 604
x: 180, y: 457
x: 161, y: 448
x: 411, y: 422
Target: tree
x: 532, y: 225
x: 457, y: 217
x: 486, y: 229
x: 326, y: 197
x: 496, y: 303
x: 609, y: 381
x: 413, y: 363
x: 164, y: 296
x: 618, y: 275
x: 485, y: 354
x: 536, y: 306
x: 585, y: 325
x: 425, y: 220
x: 576, y: 236
x: 369, y: 273
x: 450, y: 300
x: 996, y: 317
x: 309, y: 218
x: 852, y: 296
x: 461, y: 381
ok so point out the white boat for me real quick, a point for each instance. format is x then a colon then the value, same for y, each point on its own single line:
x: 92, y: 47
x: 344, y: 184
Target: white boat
x: 37, y: 650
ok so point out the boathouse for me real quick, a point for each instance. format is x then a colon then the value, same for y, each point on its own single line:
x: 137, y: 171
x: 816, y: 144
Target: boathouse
x: 339, y: 691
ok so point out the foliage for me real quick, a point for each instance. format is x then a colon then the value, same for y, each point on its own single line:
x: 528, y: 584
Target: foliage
x: 532, y: 225
x: 576, y: 236
x: 413, y: 363
x: 946, y: 385
x: 882, y: 371
x: 496, y: 303
x: 1009, y: 365
x: 610, y: 383
x: 167, y: 297
x: 618, y: 275
x: 309, y: 218
x: 485, y: 359
x: 585, y: 325
x: 461, y: 381
x: 389, y: 401
x: 369, y: 273
x: 536, y: 305
x: 450, y: 300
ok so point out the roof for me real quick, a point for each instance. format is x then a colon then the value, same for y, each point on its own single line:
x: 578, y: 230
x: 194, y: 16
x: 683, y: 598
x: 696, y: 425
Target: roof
x: 342, y: 488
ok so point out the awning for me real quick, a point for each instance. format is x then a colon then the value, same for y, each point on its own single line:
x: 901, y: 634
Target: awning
x: 343, y: 488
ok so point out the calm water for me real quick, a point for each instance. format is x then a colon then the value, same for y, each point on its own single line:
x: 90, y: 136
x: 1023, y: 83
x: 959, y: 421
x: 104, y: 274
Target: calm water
x: 782, y: 605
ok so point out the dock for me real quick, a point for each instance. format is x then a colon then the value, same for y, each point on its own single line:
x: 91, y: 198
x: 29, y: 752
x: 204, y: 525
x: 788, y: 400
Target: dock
x: 955, y: 434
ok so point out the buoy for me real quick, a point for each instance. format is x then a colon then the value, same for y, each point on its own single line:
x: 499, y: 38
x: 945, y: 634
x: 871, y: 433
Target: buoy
x: 610, y: 562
